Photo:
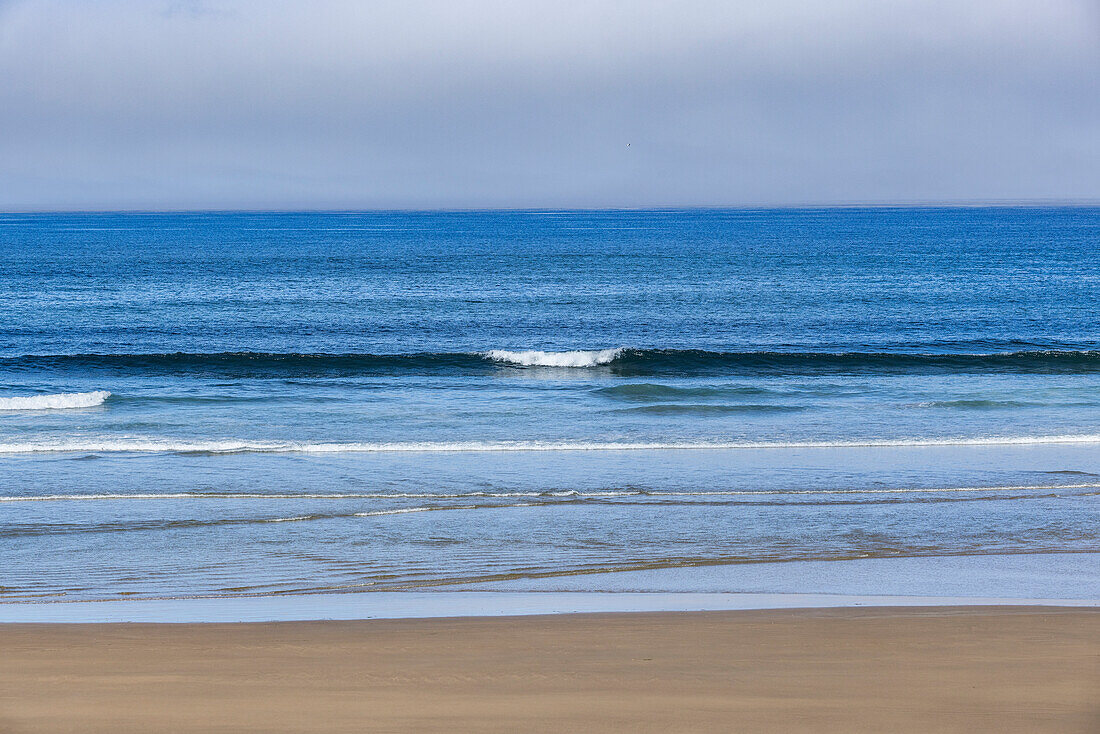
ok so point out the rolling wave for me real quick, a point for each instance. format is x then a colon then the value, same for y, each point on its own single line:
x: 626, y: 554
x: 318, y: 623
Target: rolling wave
x: 621, y: 361
x: 58, y: 401
x: 215, y: 447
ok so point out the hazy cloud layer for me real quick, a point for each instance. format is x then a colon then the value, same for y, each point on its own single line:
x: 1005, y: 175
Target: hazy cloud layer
x: 341, y: 104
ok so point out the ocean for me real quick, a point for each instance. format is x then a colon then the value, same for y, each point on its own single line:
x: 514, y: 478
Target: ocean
x: 239, y: 404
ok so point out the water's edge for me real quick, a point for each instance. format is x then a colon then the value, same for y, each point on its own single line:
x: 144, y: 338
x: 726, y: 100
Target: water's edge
x: 1036, y: 580
x: 460, y: 604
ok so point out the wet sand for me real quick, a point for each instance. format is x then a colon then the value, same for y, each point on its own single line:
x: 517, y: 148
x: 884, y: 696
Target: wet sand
x: 959, y: 669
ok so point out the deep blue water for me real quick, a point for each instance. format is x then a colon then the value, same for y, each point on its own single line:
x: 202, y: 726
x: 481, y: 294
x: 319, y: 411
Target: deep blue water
x: 251, y: 402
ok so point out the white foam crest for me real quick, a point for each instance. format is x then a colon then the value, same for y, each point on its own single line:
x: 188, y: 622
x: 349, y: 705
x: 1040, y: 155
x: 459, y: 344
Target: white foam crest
x: 128, y: 445
x: 402, y: 511
x: 58, y: 401
x: 533, y: 358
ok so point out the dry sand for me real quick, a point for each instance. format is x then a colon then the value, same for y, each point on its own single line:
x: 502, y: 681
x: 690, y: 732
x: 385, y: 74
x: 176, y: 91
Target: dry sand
x: 849, y: 670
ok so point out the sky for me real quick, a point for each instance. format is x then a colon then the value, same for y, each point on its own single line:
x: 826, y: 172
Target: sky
x: 336, y: 104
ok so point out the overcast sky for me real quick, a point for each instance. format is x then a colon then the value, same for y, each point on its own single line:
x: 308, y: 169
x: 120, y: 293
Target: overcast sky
x: 138, y: 104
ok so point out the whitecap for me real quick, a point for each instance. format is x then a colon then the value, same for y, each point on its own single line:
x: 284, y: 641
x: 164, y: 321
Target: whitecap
x: 578, y: 358
x: 58, y: 401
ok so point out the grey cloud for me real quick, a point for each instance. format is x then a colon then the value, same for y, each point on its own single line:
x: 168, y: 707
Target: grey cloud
x: 114, y: 104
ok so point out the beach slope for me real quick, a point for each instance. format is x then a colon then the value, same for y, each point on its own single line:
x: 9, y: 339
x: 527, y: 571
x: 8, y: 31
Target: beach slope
x: 998, y: 669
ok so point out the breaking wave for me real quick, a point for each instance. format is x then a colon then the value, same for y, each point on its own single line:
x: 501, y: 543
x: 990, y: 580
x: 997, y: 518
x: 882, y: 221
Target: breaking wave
x: 59, y: 401
x: 577, y: 358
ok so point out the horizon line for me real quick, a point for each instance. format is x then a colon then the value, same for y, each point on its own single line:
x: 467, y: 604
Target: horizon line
x: 1014, y: 204
x: 909, y: 204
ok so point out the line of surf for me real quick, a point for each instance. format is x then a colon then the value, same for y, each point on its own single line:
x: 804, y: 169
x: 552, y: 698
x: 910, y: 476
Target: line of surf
x: 296, y: 447
x: 626, y: 360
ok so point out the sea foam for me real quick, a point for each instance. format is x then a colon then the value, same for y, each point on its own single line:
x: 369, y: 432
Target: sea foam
x: 58, y: 401
x: 504, y: 495
x: 579, y: 358
x: 138, y: 445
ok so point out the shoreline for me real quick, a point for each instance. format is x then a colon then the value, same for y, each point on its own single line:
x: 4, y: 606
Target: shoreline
x: 1050, y: 579
x: 902, y: 669
x: 444, y: 605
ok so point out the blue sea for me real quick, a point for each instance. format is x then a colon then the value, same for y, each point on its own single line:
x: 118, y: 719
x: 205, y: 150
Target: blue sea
x: 234, y: 404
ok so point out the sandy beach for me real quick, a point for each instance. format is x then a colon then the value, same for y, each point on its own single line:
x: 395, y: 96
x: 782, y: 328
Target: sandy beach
x: 1002, y: 669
